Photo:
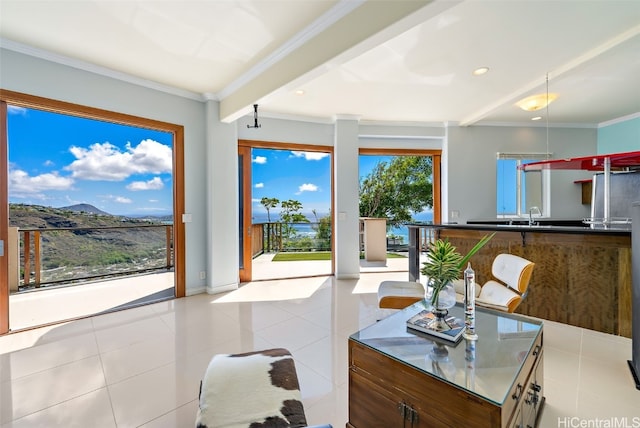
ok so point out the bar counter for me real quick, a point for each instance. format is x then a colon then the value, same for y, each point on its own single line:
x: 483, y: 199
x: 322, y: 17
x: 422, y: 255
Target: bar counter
x: 582, y: 275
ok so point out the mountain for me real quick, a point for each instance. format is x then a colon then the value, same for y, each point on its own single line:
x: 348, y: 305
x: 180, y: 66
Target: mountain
x: 86, y: 208
x: 82, y: 241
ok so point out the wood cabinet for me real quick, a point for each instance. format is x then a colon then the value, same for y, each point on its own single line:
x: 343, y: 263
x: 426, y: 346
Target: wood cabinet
x: 532, y: 400
x: 387, y: 390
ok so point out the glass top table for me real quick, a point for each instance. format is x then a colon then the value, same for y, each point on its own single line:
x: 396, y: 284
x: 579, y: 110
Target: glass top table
x: 486, y: 367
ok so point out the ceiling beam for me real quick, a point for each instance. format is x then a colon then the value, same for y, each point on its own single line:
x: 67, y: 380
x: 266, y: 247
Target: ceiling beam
x: 346, y: 34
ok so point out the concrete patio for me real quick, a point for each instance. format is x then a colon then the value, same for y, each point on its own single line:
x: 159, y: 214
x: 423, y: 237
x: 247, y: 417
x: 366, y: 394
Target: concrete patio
x: 265, y: 268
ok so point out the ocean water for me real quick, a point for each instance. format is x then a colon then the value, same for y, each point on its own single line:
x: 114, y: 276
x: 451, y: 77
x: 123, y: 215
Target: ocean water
x: 305, y: 229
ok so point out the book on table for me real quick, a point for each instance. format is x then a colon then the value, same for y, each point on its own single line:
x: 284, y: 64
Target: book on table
x: 421, y: 320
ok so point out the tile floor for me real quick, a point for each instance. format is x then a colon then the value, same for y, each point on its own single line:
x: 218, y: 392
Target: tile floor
x: 142, y: 367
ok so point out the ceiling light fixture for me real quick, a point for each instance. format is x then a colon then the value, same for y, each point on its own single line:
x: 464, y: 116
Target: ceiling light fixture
x: 480, y: 71
x: 255, y: 118
x: 536, y: 102
x: 299, y: 92
x: 536, y: 118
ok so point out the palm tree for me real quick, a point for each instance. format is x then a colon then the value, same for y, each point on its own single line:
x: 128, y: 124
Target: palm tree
x: 269, y: 203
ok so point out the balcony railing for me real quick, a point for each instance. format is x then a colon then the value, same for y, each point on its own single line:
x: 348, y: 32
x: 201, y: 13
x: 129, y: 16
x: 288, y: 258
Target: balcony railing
x: 104, y: 252
x: 290, y: 237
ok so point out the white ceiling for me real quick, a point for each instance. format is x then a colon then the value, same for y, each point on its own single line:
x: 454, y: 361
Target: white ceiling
x: 380, y: 60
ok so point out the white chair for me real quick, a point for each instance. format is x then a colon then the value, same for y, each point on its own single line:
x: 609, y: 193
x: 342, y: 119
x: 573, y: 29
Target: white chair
x: 399, y: 294
x: 512, y: 275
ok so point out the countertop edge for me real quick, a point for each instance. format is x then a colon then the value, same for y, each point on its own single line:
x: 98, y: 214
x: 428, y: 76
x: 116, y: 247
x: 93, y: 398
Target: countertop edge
x: 528, y: 229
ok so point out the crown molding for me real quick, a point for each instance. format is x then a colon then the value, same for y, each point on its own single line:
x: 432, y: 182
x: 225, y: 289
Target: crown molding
x: 536, y: 125
x: 619, y: 120
x: 97, y: 69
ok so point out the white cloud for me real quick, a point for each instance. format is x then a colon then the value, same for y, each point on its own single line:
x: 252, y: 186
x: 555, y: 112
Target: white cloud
x: 48, y: 163
x: 307, y: 187
x: 22, y: 185
x: 261, y: 160
x: 259, y: 185
x: 154, y: 184
x: 16, y: 110
x: 122, y: 200
x: 106, y: 162
x: 310, y: 155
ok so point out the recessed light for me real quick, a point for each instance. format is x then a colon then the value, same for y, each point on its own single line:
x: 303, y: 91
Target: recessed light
x: 299, y: 92
x: 480, y: 71
x: 536, y: 118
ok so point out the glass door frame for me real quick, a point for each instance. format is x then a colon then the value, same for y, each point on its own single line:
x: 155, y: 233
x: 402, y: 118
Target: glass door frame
x: 244, y: 210
x: 436, y: 156
x: 4, y: 225
x: 45, y: 104
x: 245, y: 190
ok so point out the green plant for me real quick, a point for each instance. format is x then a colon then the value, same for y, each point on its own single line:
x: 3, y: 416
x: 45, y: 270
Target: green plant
x: 444, y: 263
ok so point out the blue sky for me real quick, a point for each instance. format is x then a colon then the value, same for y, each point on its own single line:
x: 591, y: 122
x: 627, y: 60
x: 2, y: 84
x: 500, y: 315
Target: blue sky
x: 58, y: 160
x: 303, y: 176
x: 286, y: 174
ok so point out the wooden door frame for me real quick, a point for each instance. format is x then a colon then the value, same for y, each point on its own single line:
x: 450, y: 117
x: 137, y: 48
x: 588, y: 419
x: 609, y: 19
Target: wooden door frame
x: 4, y: 226
x: 251, y: 144
x: 245, y: 218
x: 55, y: 106
x: 436, y: 155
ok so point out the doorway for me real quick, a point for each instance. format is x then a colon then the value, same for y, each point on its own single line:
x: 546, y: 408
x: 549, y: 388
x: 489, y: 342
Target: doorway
x: 285, y: 208
x: 173, y: 234
x: 403, y: 186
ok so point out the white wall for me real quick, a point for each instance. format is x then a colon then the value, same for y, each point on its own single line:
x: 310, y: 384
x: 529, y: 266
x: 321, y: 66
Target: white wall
x: 621, y: 136
x: 34, y: 76
x: 222, y: 198
x: 346, y: 188
x: 471, y: 167
x: 286, y: 131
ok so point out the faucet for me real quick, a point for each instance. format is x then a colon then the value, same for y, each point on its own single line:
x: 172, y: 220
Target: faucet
x: 531, y: 210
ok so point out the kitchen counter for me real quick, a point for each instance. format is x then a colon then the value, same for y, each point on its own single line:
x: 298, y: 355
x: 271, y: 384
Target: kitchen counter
x: 582, y: 275
x: 571, y: 227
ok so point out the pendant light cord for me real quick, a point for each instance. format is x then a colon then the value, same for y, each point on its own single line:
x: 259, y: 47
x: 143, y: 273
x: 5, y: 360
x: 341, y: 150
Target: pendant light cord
x: 547, y: 115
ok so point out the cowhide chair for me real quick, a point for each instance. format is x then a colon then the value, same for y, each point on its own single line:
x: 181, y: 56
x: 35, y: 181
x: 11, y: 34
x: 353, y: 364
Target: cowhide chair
x: 251, y: 390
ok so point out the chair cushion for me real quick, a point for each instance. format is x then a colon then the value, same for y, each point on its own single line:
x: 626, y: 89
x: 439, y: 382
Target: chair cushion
x: 512, y: 270
x: 399, y: 294
x: 498, y: 296
x: 256, y: 389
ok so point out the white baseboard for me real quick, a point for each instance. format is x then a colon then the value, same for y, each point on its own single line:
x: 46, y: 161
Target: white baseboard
x: 221, y: 288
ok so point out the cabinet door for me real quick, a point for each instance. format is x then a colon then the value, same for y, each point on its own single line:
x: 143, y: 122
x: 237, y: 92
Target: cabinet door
x: 373, y: 407
x: 516, y: 422
x: 533, y: 400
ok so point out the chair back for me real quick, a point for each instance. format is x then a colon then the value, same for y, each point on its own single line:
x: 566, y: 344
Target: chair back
x: 513, y: 271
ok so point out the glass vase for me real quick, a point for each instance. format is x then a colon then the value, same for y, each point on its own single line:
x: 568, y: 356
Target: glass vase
x: 440, y: 305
